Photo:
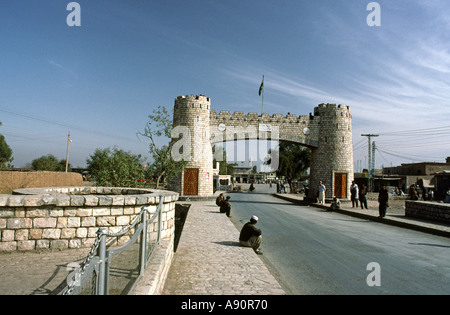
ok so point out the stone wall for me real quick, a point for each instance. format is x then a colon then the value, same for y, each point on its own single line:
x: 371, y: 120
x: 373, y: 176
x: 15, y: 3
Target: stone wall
x: 69, y: 217
x: 290, y: 126
x: 438, y: 212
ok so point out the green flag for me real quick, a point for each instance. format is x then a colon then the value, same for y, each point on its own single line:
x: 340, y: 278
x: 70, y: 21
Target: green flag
x: 261, y: 88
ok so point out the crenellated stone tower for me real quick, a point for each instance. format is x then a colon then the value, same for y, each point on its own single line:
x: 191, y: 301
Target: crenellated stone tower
x: 328, y: 133
x: 332, y: 159
x: 197, y: 177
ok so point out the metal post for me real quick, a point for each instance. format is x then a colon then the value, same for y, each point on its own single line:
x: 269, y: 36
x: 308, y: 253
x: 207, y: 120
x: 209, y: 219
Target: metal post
x: 142, y: 254
x: 67, y: 153
x: 160, y: 209
x: 102, y: 255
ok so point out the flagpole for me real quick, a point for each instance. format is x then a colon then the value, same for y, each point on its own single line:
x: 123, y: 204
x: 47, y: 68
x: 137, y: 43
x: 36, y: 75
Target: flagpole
x: 262, y: 101
x: 261, y: 90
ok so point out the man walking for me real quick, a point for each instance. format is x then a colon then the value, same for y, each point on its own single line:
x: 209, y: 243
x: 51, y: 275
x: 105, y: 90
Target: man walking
x: 251, y: 236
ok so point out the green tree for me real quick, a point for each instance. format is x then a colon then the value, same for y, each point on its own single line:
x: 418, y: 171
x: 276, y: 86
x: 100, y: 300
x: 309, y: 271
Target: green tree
x: 294, y: 161
x: 159, y: 128
x: 115, y: 167
x: 6, y: 155
x: 49, y: 163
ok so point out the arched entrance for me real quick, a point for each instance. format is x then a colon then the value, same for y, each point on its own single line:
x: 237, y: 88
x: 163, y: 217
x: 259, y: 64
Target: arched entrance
x: 328, y: 132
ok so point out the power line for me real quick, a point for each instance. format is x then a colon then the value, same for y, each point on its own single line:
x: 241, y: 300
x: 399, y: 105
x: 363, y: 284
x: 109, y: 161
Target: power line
x: 444, y: 130
x: 66, y: 125
x: 411, y: 157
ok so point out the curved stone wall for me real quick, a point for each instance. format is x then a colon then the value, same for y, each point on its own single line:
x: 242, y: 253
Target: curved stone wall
x: 69, y: 217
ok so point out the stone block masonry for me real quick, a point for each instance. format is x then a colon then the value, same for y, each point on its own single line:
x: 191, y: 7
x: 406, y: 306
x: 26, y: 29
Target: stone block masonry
x: 327, y: 132
x: 432, y: 211
x: 69, y: 217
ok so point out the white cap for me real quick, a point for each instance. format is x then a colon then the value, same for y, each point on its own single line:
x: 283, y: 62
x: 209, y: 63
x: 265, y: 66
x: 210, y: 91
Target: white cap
x: 255, y: 218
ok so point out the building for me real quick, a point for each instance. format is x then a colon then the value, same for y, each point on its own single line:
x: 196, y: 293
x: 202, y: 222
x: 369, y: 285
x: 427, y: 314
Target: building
x: 442, y: 184
x: 418, y: 169
x: 432, y: 175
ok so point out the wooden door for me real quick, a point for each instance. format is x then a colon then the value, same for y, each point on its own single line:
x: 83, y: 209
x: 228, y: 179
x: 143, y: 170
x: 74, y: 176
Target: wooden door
x: 340, y: 185
x: 190, y: 182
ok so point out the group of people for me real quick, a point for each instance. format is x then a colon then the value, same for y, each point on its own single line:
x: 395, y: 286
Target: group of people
x: 250, y: 235
x: 224, y: 204
x: 416, y: 191
x: 358, y: 194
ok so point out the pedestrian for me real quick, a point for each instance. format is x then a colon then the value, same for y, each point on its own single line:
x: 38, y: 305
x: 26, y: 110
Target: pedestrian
x: 424, y: 192
x: 219, y: 199
x: 225, y: 206
x: 250, y: 236
x: 383, y: 198
x: 447, y: 198
x: 322, y: 190
x: 362, y: 196
x: 335, y: 205
x: 412, y: 192
x: 354, y: 194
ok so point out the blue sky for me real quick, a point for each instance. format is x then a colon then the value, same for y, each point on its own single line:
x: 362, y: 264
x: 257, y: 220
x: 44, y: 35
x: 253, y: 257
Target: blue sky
x: 101, y: 80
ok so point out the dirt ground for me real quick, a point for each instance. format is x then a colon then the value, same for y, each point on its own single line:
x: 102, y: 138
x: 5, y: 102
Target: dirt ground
x: 396, y: 203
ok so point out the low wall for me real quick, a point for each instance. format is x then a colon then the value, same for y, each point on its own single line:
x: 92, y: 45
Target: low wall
x: 426, y: 210
x: 69, y: 217
x: 11, y: 180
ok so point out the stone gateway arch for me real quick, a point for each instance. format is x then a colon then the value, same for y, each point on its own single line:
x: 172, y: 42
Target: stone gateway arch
x: 327, y: 132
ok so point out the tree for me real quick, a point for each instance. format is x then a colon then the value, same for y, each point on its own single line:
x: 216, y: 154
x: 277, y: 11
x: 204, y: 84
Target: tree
x: 6, y: 156
x: 49, y: 163
x: 164, y: 166
x: 294, y: 161
x: 115, y: 167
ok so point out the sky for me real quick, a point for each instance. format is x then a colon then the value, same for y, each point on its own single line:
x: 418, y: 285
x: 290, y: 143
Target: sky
x: 100, y: 80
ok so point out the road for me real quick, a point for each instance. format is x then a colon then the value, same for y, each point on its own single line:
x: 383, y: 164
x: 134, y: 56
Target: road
x: 311, y: 251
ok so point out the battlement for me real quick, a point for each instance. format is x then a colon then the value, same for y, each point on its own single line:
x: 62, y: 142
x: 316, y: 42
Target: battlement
x: 332, y: 110
x: 192, y: 97
x: 226, y: 115
x: 193, y: 101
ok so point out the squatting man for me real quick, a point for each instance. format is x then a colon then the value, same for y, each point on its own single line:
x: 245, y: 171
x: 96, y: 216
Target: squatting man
x: 251, y: 236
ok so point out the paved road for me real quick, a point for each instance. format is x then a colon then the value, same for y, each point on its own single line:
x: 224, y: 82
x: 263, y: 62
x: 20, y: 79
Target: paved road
x: 311, y: 251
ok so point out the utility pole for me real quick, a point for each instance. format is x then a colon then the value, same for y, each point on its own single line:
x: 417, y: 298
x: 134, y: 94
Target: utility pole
x: 373, y: 154
x: 67, y: 153
x: 370, y: 160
